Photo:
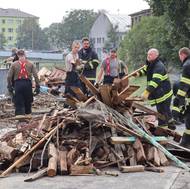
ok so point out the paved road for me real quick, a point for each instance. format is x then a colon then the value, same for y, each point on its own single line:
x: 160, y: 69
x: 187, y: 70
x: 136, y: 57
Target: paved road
x: 172, y: 178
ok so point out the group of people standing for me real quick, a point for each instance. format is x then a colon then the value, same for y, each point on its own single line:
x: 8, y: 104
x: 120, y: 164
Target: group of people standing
x: 85, y: 61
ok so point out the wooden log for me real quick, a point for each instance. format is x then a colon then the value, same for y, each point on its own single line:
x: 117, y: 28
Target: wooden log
x: 130, y: 169
x: 37, y: 175
x: 131, y: 140
x: 132, y: 157
x: 8, y: 151
x: 63, y: 162
x: 140, y: 154
x: 81, y: 170
x: 153, y: 156
x: 7, y: 171
x: 154, y: 169
x: 52, y: 164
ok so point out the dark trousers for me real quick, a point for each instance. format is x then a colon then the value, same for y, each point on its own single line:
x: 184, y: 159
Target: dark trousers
x: 187, y: 117
x: 164, y: 109
x: 108, y: 79
x: 23, y: 96
x: 72, y: 80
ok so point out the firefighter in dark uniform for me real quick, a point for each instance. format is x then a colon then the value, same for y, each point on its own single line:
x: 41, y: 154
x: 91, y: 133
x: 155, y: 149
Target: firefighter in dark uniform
x: 90, y: 61
x: 22, y: 71
x: 181, y: 103
x: 158, y: 90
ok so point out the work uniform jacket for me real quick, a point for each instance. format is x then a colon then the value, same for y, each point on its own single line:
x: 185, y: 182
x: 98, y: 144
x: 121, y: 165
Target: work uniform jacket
x: 183, y: 94
x: 91, y: 64
x: 158, y: 84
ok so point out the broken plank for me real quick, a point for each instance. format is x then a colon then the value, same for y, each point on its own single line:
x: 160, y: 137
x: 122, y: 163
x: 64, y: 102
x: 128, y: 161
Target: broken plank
x: 80, y: 95
x: 105, y: 91
x: 140, y: 154
x: 131, y: 139
x: 63, y: 162
x: 81, y: 170
x: 37, y: 175
x: 91, y: 87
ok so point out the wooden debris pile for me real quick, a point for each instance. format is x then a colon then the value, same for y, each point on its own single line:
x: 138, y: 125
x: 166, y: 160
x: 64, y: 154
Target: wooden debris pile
x: 84, y: 141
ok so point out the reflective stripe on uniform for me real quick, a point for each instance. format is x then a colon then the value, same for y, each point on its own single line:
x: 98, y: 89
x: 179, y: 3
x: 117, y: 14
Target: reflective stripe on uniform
x: 163, y: 126
x: 159, y: 76
x: 161, y: 99
x: 91, y: 78
x: 187, y: 131
x: 181, y: 92
x: 176, y: 109
x: 154, y: 84
x: 95, y: 60
x: 185, y: 80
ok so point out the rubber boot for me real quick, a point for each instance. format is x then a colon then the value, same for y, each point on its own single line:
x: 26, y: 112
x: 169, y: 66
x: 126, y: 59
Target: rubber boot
x: 185, y: 141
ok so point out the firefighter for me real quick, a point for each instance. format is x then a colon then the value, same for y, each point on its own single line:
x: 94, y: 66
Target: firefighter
x: 71, y: 64
x: 158, y: 89
x: 110, y: 67
x: 91, y: 62
x: 181, y: 103
x: 22, y: 71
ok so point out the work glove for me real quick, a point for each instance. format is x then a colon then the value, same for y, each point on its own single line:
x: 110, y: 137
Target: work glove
x: 37, y: 90
x: 145, y: 95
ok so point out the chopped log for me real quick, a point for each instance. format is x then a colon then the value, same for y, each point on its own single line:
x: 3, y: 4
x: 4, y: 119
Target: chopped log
x: 131, y: 139
x: 9, y: 152
x: 132, y: 156
x: 63, y: 162
x: 90, y: 86
x: 80, y: 95
x: 52, y: 164
x: 130, y: 169
x: 105, y: 91
x: 37, y: 175
x: 163, y: 160
x: 140, y: 154
x: 30, y: 151
x: 81, y: 170
x: 153, y: 156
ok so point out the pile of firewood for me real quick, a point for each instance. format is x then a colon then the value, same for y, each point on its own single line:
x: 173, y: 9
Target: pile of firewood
x: 106, y: 128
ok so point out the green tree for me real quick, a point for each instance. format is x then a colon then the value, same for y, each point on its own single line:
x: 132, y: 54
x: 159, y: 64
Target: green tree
x: 177, y: 14
x: 2, y: 41
x: 53, y: 33
x: 76, y: 24
x: 31, y: 36
x: 151, y: 32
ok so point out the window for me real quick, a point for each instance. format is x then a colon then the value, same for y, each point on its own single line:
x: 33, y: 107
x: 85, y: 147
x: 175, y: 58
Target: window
x: 3, y: 29
x: 102, y: 39
x: 10, y: 30
x: 99, y: 40
x: 10, y: 38
x: 10, y: 21
x: 3, y: 21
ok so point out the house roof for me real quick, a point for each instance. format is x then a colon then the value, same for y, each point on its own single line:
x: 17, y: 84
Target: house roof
x: 145, y: 11
x: 121, y: 20
x: 15, y: 13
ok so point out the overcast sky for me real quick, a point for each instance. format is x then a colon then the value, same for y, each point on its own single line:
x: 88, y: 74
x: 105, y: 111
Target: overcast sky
x: 51, y: 11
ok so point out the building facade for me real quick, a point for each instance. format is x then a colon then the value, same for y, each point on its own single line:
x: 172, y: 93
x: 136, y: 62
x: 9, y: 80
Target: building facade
x: 136, y: 17
x: 10, y: 21
x: 100, y: 30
